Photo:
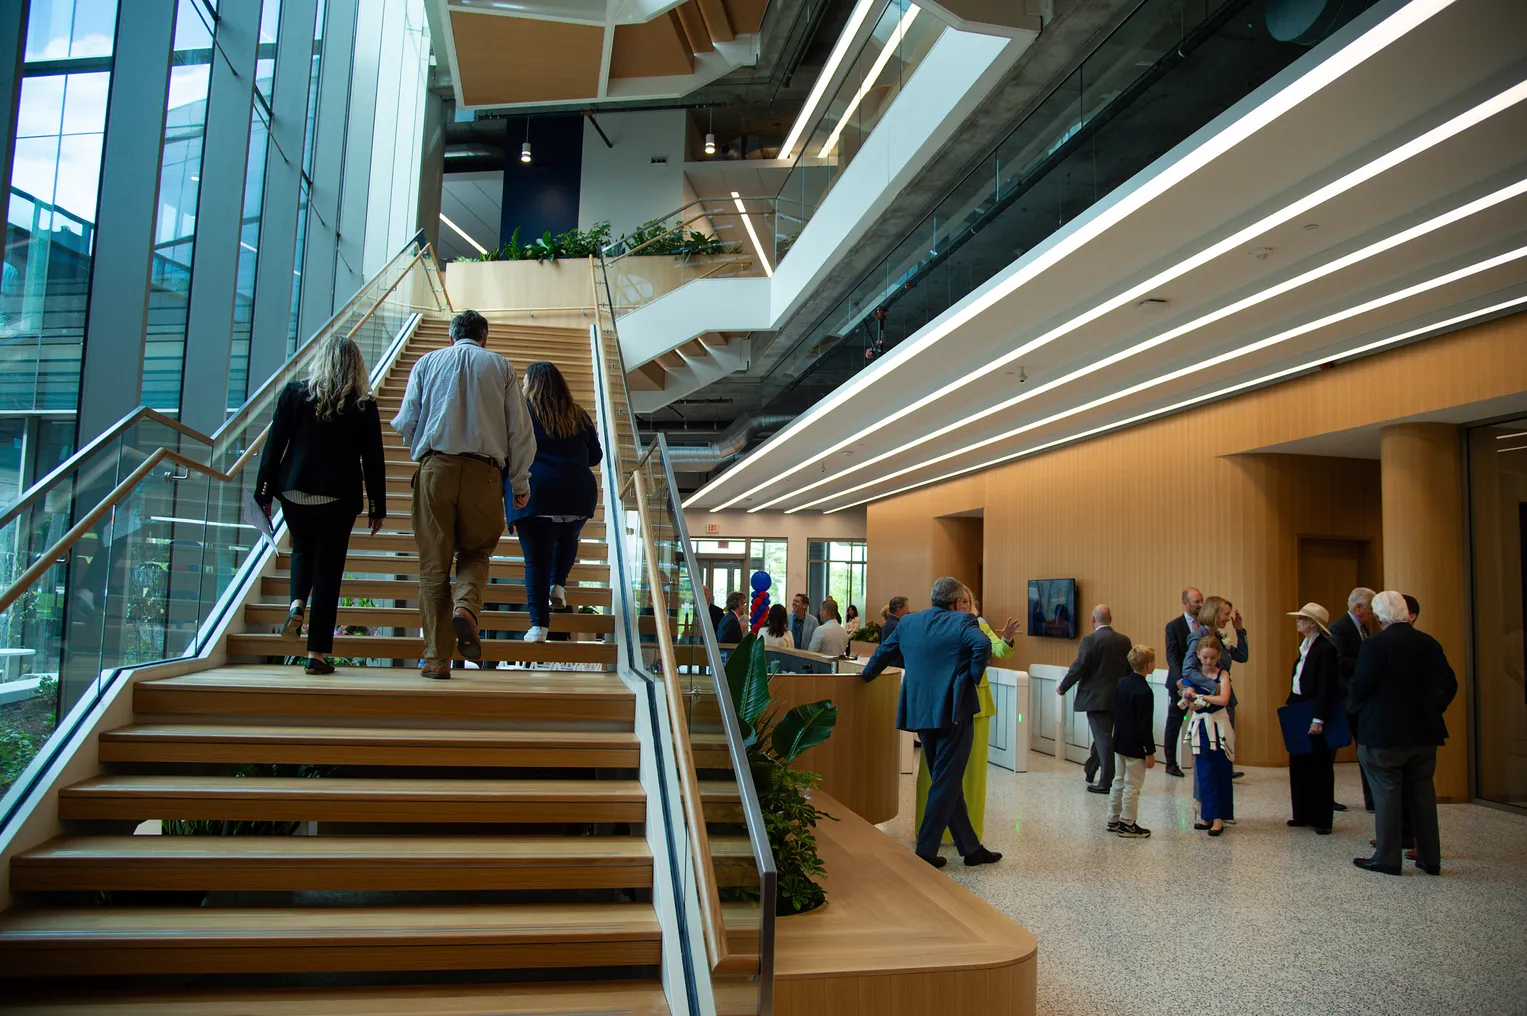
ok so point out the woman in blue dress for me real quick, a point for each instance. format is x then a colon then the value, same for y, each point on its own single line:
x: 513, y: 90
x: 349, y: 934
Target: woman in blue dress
x: 1207, y: 693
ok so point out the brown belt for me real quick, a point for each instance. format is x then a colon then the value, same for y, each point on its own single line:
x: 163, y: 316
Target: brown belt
x: 462, y: 455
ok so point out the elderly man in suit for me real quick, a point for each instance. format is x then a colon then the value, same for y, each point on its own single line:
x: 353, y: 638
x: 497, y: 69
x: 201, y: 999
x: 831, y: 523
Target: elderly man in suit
x: 1101, y: 660
x: 943, y: 653
x: 1400, y: 689
x: 894, y: 612
x: 1177, y: 631
x: 734, y: 624
x: 1347, y: 634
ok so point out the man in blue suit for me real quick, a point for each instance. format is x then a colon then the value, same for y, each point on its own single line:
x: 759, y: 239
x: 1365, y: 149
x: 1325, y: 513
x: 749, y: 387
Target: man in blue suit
x: 943, y: 653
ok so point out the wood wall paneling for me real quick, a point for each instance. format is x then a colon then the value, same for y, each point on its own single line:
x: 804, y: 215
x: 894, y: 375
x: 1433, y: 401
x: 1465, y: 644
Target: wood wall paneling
x: 1328, y: 572
x: 1424, y: 556
x: 694, y: 27
x: 745, y: 15
x: 503, y: 60
x: 717, y: 22
x: 859, y: 764
x: 656, y: 48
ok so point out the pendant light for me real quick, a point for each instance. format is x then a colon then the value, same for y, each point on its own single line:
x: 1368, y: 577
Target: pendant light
x: 710, y: 136
x: 525, y: 148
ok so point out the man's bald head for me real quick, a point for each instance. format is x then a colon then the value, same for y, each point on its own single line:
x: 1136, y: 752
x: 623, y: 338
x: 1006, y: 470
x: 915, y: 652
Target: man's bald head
x: 1101, y: 615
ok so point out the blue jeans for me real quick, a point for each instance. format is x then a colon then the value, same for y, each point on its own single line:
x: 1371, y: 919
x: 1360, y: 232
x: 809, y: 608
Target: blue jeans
x: 550, y: 550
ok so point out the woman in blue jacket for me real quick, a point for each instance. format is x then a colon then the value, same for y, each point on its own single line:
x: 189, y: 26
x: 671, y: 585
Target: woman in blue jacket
x: 563, y: 493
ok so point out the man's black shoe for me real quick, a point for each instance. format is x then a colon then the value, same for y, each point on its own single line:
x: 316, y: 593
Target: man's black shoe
x: 1322, y: 830
x: 1236, y: 775
x: 1175, y: 771
x: 1369, y: 864
x: 1093, y: 788
x: 937, y: 860
x: 1338, y: 806
x: 1430, y: 869
x: 982, y: 856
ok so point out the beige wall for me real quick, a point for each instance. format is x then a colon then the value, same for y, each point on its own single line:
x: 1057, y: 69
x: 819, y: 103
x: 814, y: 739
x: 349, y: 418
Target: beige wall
x: 1134, y: 518
x: 797, y: 529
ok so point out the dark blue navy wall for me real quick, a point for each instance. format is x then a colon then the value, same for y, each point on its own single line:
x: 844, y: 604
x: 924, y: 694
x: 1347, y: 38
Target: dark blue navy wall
x: 543, y: 195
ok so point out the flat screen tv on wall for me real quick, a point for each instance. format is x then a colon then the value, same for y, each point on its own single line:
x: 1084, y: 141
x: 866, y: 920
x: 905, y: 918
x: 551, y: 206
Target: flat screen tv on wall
x: 1052, y: 608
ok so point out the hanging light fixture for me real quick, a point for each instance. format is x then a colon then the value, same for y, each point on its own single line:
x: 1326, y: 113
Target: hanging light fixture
x: 710, y: 135
x: 525, y: 148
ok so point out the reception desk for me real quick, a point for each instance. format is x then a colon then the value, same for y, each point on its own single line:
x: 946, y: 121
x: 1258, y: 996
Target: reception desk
x: 858, y: 763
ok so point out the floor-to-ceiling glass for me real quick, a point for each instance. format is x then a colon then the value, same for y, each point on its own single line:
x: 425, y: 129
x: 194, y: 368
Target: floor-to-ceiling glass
x: 1498, y: 528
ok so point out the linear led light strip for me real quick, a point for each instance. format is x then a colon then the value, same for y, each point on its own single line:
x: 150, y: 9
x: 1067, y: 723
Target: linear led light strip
x: 1430, y: 139
x: 818, y: 89
x: 747, y: 223
x: 893, y: 44
x: 1330, y: 268
x: 1198, y: 399
x: 463, y: 234
x: 1352, y: 55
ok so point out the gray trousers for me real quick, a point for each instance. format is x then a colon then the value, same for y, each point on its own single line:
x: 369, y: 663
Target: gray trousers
x: 1101, y: 723
x: 1403, y: 775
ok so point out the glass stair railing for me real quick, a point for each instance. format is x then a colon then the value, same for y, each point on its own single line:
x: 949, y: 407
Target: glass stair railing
x: 129, y: 552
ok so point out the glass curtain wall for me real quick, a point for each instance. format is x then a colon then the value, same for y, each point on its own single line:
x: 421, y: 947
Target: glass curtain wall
x: 1498, y: 525
x: 838, y: 568
x: 51, y: 202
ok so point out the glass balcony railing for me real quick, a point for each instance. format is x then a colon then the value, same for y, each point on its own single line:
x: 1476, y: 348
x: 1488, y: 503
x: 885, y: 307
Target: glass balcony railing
x: 1165, y: 71
x: 716, y: 828
x: 126, y: 553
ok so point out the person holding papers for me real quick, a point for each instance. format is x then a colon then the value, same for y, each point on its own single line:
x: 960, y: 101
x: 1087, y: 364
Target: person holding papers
x: 1312, y: 772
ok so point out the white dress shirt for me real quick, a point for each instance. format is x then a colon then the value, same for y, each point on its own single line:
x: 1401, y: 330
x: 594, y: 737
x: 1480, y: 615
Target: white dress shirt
x: 831, y: 639
x: 1304, y: 653
x: 466, y: 400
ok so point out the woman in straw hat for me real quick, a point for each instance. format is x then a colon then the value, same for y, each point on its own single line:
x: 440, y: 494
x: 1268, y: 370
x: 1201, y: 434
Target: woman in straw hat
x: 1312, y: 774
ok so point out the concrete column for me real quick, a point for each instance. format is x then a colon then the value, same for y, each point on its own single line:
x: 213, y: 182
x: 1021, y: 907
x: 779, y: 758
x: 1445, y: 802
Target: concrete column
x: 1424, y: 554
x: 431, y: 168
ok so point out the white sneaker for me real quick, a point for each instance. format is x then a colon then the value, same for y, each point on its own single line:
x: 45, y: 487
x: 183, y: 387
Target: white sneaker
x: 558, y: 597
x: 536, y: 634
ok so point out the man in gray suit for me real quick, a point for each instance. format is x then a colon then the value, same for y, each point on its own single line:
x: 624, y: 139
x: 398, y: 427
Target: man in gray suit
x: 943, y: 653
x: 1101, y: 660
x: 802, y: 624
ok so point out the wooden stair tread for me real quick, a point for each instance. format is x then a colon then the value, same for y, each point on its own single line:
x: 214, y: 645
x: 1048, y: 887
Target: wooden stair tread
x: 408, y: 647
x: 286, y: 788
x: 111, y: 940
x: 589, y: 998
x: 393, y: 737
x: 408, y: 617
x: 487, y: 851
x: 291, y: 680
x: 408, y: 589
x: 408, y: 564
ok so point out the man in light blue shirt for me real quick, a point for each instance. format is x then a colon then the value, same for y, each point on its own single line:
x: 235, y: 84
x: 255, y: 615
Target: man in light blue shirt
x: 466, y: 424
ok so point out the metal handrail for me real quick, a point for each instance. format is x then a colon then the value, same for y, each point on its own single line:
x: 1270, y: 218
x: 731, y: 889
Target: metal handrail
x: 53, y: 554
x: 35, y: 492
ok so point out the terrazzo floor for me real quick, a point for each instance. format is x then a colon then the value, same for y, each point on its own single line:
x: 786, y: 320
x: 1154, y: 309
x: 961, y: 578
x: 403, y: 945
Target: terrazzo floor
x: 1265, y: 919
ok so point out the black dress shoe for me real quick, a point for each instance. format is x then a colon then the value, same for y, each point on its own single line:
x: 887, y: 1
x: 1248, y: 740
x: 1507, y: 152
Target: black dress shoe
x: 318, y: 665
x: 982, y: 856
x: 1096, y: 788
x: 937, y: 860
x: 1430, y: 869
x: 1322, y: 830
x: 1369, y: 864
x: 1338, y: 806
x: 1175, y: 771
x: 1236, y: 775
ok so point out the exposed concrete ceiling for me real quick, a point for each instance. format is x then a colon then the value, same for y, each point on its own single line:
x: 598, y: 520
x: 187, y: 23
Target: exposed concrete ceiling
x: 1396, y: 251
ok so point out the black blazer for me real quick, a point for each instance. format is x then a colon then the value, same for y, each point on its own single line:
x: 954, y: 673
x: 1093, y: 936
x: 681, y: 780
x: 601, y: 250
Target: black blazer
x: 1176, y: 650
x: 1401, y: 688
x: 1133, y: 708
x: 328, y: 457
x: 1100, y: 659
x: 561, y: 477
x: 1319, y: 680
x: 1348, y: 642
x: 729, y: 631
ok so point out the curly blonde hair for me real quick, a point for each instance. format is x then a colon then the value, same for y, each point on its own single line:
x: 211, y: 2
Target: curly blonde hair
x: 337, y: 375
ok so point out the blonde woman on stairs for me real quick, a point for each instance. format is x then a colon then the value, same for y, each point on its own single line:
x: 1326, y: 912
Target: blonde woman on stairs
x: 325, y: 439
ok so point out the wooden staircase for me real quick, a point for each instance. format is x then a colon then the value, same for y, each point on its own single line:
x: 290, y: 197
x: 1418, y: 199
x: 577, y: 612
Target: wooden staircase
x: 466, y: 846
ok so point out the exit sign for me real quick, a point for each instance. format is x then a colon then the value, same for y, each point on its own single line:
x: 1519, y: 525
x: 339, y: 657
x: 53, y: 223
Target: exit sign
x: 713, y: 527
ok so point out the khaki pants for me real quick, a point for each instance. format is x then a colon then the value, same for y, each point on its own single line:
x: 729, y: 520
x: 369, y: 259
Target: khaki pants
x: 458, y: 512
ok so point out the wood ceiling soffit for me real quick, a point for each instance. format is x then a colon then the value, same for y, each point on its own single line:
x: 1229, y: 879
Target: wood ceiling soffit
x: 655, y: 49
x: 746, y: 16
x: 501, y: 60
x: 694, y: 27
x: 717, y: 20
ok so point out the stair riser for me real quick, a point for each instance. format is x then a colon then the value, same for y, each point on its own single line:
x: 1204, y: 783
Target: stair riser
x: 328, y: 808
x: 373, y: 705
x: 369, y: 874
x: 359, y: 564
x: 402, y: 647
x: 321, y: 955
x: 385, y: 617
x: 398, y: 589
x: 364, y: 755
x: 399, y: 524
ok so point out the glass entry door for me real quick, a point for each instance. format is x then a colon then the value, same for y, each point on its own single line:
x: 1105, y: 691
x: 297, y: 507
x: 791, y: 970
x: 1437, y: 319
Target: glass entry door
x: 724, y: 576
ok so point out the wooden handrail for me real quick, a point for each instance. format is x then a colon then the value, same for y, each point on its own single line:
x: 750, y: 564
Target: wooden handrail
x: 689, y: 781
x: 386, y: 293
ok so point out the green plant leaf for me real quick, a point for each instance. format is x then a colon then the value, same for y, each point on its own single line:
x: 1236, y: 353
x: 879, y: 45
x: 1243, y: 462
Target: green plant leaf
x: 802, y: 728
x: 737, y: 670
x: 755, y: 690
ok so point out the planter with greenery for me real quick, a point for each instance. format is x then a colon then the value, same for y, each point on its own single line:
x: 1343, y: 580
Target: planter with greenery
x: 657, y: 238
x: 775, y: 738
x: 868, y: 633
